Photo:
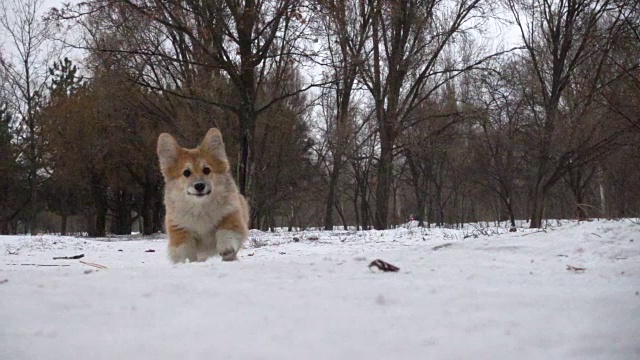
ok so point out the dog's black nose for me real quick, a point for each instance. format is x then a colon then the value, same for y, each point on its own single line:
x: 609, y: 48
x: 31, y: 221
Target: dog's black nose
x: 199, y: 186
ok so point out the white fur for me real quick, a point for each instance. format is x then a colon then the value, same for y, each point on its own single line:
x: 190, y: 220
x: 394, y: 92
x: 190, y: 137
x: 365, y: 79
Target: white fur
x: 184, y: 252
x: 167, y: 151
x: 200, y: 216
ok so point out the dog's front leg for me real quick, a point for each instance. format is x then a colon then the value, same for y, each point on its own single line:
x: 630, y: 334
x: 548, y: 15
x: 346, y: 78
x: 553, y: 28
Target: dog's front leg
x: 232, y: 232
x: 182, y: 245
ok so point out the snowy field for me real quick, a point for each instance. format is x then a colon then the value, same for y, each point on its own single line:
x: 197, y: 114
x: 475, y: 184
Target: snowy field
x: 569, y: 292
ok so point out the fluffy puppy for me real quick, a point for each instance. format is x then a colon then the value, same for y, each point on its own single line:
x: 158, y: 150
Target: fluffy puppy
x: 206, y: 214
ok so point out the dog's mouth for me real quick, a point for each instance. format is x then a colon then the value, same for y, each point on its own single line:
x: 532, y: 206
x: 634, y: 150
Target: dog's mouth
x: 201, y: 194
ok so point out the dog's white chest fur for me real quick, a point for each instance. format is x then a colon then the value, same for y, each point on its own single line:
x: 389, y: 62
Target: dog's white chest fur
x: 199, y: 216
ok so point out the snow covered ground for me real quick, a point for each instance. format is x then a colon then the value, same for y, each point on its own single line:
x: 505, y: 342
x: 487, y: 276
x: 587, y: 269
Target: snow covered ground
x: 459, y: 294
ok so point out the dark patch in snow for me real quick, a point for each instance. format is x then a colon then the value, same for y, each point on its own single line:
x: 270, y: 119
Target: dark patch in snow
x: 384, y: 266
x: 442, y: 246
x: 74, y: 257
x: 577, y: 270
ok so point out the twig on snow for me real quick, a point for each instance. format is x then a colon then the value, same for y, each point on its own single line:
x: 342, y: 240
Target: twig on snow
x: 578, y: 270
x: 39, y: 265
x: 535, y: 232
x: 99, y: 266
x: 442, y: 246
x: 68, y: 257
x: 10, y: 250
x: 384, y: 266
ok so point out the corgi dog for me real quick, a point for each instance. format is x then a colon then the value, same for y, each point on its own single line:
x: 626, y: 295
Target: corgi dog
x: 205, y: 213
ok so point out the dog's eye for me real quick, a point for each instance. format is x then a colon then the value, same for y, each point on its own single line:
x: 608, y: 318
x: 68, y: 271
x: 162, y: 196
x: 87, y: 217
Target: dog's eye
x: 186, y: 173
x: 206, y: 171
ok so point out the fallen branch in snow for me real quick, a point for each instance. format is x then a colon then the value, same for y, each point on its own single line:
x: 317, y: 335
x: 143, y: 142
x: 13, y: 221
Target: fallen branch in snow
x: 436, y: 248
x: 384, y: 266
x: 257, y: 243
x: 93, y: 264
x: 535, y: 232
x: 68, y: 257
x: 39, y: 265
x: 10, y: 252
x: 7, y: 280
x: 575, y: 269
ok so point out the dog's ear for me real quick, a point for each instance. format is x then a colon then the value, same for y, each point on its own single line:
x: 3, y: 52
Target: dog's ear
x: 167, y: 152
x: 213, y: 145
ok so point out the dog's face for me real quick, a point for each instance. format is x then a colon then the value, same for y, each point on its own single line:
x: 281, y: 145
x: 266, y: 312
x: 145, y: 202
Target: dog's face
x: 194, y: 172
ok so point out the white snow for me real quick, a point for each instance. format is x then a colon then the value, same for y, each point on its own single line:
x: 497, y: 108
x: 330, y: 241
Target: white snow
x: 491, y: 295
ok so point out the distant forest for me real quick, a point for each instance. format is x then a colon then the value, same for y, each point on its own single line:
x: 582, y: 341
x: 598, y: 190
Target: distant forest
x: 357, y: 114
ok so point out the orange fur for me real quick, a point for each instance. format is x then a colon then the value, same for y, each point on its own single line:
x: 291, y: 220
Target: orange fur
x: 236, y: 221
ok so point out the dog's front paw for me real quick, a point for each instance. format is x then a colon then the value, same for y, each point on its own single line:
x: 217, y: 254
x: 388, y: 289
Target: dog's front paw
x: 229, y: 255
x: 228, y: 244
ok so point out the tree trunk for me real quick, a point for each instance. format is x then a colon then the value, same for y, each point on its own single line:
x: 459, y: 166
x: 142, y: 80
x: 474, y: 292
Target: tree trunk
x: 243, y: 165
x: 383, y: 188
x: 5, y: 228
x: 98, y: 194
x: 33, y: 206
x: 420, y: 207
x: 101, y: 221
x: 146, y: 210
x: 97, y: 220
x: 418, y: 191
x: 63, y: 223
x: 121, y: 224
x: 247, y: 87
x: 343, y: 219
x: 580, y: 207
x: 512, y: 215
x: 603, y: 203
x: 537, y: 214
x: 364, y: 208
x: 158, y: 212
x: 331, y: 197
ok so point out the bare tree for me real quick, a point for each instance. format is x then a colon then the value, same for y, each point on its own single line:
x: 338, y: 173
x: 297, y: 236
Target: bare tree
x: 562, y: 37
x: 345, y: 27
x: 25, y: 71
x: 620, y: 93
x: 408, y: 63
x: 243, y: 39
x: 499, y: 141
